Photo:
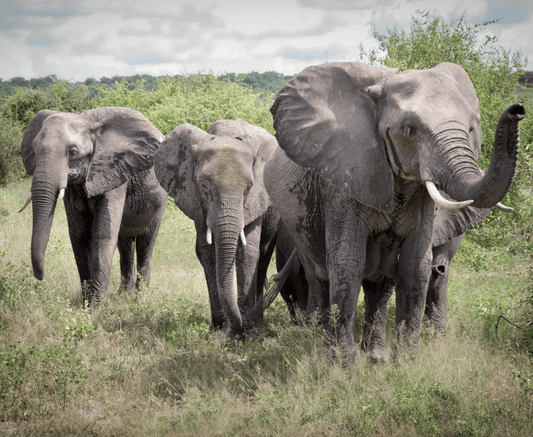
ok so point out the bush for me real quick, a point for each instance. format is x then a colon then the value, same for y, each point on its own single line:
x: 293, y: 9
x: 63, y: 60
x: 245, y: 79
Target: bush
x: 11, y: 167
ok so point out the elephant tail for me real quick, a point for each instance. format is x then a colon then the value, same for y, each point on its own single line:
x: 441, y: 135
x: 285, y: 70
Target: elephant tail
x: 272, y: 289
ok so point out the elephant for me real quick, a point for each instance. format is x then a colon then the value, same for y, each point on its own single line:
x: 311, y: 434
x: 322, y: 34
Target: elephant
x: 364, y: 154
x: 216, y: 179
x: 100, y: 162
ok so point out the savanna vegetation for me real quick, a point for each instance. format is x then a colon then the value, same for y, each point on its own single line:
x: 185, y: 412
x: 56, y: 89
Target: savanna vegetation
x: 144, y: 365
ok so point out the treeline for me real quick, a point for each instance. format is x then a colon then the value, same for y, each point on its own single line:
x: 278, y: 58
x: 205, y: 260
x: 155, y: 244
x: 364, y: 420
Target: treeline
x: 268, y: 82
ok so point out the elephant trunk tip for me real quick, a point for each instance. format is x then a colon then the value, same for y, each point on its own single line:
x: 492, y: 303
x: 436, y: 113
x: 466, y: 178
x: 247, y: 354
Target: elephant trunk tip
x: 516, y: 112
x: 38, y: 272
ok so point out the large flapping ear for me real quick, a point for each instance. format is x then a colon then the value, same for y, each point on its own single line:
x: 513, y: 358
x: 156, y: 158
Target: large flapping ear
x: 125, y: 143
x: 450, y: 223
x: 327, y: 122
x: 466, y: 88
x: 174, y: 168
x: 263, y: 144
x: 26, y: 147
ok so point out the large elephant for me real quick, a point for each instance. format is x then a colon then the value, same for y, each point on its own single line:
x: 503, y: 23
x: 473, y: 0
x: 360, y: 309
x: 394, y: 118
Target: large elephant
x: 365, y: 153
x: 101, y: 162
x: 216, y: 179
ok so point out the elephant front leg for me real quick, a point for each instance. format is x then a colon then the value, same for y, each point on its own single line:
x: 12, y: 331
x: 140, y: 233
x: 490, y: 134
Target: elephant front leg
x: 411, y: 288
x: 80, y: 219
x: 346, y: 238
x: 377, y: 296
x: 247, y: 270
x: 108, y: 210
x: 206, y: 255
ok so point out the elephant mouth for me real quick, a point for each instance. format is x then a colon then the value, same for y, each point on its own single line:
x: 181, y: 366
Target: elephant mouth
x: 209, y: 236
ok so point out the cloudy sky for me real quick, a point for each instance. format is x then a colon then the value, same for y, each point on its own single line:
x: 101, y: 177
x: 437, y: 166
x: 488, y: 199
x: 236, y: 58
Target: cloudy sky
x: 77, y: 39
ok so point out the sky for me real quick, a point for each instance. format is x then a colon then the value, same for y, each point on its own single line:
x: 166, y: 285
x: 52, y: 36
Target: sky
x: 78, y: 39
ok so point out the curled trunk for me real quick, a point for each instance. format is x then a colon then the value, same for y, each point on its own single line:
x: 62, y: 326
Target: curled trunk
x: 465, y: 182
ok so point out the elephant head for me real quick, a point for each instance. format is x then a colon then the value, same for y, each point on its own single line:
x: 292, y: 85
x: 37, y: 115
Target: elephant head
x: 99, y: 150
x: 362, y: 126
x: 216, y: 179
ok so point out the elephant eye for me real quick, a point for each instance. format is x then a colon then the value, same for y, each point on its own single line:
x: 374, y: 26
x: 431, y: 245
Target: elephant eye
x: 73, y: 153
x: 248, y: 188
x: 408, y: 131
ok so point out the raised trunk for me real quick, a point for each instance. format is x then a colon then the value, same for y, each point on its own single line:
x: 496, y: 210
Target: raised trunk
x: 465, y: 182
x: 226, y: 235
x: 44, y: 198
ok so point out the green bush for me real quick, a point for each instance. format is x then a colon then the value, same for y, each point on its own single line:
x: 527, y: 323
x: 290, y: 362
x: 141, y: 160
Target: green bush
x: 11, y: 167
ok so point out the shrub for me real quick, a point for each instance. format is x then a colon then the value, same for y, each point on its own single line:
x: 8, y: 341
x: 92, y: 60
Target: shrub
x: 11, y: 167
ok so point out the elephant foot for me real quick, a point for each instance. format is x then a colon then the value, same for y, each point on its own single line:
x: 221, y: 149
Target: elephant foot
x: 378, y: 355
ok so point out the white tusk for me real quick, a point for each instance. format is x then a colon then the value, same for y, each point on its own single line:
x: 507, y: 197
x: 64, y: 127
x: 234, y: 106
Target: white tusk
x: 23, y: 207
x: 61, y: 193
x: 502, y: 208
x: 209, y: 236
x: 243, y: 238
x: 441, y: 201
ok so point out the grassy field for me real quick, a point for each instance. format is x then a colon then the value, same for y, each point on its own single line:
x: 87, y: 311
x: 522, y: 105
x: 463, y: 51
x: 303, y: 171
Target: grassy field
x: 145, y: 366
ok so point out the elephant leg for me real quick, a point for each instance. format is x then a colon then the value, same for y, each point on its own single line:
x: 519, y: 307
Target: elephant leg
x: 437, y: 296
x: 145, y: 244
x: 414, y: 269
x: 80, y: 219
x: 127, y: 262
x: 247, y: 268
x: 206, y: 255
x: 269, y: 230
x: 346, y: 238
x: 108, y: 210
x: 377, y: 296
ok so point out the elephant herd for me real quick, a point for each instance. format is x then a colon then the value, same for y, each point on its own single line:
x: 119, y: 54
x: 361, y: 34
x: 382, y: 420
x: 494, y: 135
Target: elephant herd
x: 370, y: 182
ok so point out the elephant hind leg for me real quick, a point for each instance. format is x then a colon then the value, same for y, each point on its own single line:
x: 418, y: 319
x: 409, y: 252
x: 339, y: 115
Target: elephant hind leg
x: 127, y: 266
x: 145, y: 244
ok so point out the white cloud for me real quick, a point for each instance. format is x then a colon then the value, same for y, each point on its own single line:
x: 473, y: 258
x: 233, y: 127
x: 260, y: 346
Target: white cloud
x: 93, y: 38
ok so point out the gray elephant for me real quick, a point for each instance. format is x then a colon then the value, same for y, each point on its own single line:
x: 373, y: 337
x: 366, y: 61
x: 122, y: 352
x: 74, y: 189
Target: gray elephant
x: 101, y: 162
x: 216, y: 179
x: 365, y: 153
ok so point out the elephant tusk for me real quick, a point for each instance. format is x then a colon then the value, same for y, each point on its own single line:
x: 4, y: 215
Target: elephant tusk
x: 243, y: 238
x: 23, y: 207
x: 441, y: 201
x: 502, y: 208
x: 209, y: 236
x: 61, y: 193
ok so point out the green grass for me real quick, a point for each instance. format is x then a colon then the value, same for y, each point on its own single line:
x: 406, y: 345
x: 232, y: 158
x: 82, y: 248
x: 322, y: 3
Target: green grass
x: 146, y: 366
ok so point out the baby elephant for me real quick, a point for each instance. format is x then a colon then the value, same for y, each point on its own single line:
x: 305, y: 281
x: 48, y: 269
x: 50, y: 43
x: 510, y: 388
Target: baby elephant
x: 216, y: 179
x: 101, y: 163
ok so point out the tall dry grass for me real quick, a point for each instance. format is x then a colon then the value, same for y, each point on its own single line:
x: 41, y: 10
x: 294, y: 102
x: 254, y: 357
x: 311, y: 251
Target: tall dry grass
x: 145, y: 365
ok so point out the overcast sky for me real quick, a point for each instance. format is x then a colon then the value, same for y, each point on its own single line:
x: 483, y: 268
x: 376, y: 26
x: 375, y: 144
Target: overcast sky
x: 77, y: 39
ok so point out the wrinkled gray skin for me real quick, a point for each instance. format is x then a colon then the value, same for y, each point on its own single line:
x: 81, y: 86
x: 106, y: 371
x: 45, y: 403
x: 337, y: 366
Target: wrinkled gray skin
x: 216, y: 179
x: 448, y: 233
x: 103, y: 159
x: 361, y: 142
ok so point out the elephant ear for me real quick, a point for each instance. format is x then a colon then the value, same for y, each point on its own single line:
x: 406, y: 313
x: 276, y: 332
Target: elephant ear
x: 174, y: 168
x: 466, y: 88
x: 450, y: 223
x: 26, y: 147
x: 327, y: 122
x: 263, y: 145
x: 125, y: 143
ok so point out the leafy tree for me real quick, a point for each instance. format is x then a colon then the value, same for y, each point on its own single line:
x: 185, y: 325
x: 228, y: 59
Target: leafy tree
x: 11, y: 167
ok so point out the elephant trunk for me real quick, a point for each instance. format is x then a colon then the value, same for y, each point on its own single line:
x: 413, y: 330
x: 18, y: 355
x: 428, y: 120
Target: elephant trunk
x: 226, y: 237
x: 467, y: 182
x: 44, y: 198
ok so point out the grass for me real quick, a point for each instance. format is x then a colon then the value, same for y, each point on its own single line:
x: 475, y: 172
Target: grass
x: 145, y: 366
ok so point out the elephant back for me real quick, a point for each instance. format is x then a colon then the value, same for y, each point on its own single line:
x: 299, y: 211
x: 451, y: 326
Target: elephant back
x: 326, y: 122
